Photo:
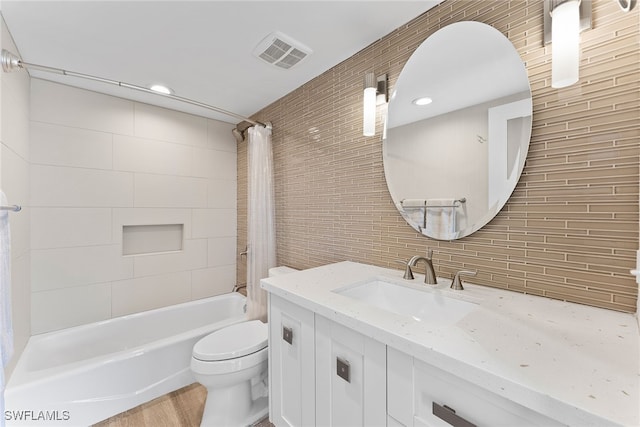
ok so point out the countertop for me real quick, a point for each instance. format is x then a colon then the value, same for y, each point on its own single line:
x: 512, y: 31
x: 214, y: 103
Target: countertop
x: 577, y: 364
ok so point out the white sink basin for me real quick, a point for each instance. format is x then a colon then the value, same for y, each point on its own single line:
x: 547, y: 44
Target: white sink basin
x: 420, y: 304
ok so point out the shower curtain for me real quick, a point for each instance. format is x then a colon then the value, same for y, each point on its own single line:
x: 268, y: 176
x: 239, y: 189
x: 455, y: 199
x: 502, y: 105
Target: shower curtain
x: 261, y: 228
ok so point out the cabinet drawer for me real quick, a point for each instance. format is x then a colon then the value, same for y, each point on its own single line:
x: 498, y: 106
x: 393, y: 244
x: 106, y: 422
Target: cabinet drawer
x: 461, y: 403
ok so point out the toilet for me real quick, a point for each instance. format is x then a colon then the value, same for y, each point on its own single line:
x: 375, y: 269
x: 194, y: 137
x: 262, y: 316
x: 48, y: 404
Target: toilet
x: 232, y: 364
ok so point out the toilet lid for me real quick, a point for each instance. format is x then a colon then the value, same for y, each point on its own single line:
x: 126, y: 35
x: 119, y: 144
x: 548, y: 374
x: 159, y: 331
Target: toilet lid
x: 232, y: 341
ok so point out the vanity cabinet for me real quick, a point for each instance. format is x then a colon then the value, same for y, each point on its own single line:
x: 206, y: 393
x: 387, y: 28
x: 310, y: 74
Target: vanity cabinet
x: 291, y: 364
x: 422, y: 395
x: 326, y: 374
x: 350, y: 377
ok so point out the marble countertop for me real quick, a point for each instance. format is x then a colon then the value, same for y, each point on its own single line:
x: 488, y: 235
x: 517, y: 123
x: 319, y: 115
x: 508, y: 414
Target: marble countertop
x: 577, y: 364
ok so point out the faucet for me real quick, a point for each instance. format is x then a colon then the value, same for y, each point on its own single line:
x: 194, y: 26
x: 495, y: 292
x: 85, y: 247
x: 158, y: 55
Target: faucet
x: 429, y: 272
x: 457, y: 281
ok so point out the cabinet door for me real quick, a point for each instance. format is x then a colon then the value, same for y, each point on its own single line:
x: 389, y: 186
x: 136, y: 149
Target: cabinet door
x: 291, y: 364
x: 350, y: 377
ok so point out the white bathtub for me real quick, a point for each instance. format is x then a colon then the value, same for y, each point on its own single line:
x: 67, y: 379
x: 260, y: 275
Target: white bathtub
x: 82, y: 375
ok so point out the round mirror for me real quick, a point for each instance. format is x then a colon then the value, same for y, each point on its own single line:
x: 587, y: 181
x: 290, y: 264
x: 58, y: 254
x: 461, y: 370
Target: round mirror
x: 458, y: 130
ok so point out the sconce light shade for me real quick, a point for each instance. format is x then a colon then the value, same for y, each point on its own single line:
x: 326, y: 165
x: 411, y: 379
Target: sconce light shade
x: 369, y: 105
x: 565, y: 48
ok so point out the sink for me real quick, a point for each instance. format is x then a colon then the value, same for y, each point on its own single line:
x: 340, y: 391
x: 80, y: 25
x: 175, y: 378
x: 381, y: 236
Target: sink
x: 421, y: 304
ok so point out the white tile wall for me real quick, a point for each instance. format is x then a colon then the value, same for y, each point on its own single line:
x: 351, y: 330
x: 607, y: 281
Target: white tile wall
x: 63, y: 308
x: 75, y: 187
x: 192, y: 257
x: 213, y: 223
x: 146, y: 293
x: 100, y: 163
x: 212, y: 281
x: 151, y: 156
x: 66, y: 146
x: 217, y: 136
x: 15, y: 184
x: 222, y: 194
x: 172, y: 126
x: 14, y: 181
x: 223, y: 162
x: 152, y: 191
x: 68, y: 227
x: 77, y: 266
x: 78, y: 108
x: 222, y: 251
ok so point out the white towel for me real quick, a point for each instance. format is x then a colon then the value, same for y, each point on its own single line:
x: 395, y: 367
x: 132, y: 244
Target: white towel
x: 6, y: 328
x: 441, y: 219
x: 414, y: 212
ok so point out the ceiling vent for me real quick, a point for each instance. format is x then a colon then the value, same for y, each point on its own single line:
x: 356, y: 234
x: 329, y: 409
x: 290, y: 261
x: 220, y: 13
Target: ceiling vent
x: 281, y: 50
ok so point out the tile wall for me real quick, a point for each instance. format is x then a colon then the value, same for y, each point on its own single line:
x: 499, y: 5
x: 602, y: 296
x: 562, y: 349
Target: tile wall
x: 570, y: 230
x: 98, y: 163
x: 14, y: 181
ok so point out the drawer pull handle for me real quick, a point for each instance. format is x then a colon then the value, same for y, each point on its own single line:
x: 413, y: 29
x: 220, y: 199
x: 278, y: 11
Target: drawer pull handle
x: 449, y: 415
x: 287, y: 334
x: 343, y: 369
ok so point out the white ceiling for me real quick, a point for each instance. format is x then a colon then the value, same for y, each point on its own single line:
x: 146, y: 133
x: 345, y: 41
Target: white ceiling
x: 201, y: 49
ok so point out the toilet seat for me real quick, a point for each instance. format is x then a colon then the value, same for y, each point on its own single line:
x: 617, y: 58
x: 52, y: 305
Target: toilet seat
x: 232, y: 342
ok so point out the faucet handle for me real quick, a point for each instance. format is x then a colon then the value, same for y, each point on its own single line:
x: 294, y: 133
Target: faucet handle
x: 457, y: 282
x: 408, y: 274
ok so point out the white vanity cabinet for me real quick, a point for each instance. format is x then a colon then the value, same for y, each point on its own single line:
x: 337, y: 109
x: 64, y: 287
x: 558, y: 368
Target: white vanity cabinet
x: 422, y: 395
x: 325, y: 374
x: 508, y: 360
x: 291, y: 364
x: 350, y: 377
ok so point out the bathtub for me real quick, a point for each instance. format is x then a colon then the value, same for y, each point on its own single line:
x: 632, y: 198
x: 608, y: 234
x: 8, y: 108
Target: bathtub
x: 85, y: 374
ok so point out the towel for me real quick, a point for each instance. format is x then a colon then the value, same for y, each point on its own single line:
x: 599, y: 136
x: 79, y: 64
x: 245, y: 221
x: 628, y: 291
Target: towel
x: 6, y: 329
x: 414, y: 212
x: 441, y: 219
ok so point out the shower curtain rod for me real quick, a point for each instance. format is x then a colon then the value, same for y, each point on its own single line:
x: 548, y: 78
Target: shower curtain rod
x: 11, y: 62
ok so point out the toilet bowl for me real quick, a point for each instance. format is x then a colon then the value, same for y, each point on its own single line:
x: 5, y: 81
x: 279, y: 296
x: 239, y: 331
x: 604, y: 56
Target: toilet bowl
x: 232, y: 364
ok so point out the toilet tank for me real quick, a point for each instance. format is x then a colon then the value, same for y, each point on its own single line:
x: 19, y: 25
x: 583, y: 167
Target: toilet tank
x: 279, y: 271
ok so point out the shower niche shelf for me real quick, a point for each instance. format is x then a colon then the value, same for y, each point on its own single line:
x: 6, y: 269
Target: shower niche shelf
x: 151, y: 239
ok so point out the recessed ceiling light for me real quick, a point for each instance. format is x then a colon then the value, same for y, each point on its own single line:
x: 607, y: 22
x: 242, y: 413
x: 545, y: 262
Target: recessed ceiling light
x: 423, y: 101
x: 161, y: 89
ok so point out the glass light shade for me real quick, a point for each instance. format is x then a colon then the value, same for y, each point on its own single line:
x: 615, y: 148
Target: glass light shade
x: 369, y: 112
x: 565, y: 47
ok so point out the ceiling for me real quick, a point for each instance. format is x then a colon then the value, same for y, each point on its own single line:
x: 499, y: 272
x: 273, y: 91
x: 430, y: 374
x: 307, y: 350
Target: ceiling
x: 200, y: 49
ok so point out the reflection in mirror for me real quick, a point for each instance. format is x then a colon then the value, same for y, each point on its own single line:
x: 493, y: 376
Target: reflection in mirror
x: 452, y: 163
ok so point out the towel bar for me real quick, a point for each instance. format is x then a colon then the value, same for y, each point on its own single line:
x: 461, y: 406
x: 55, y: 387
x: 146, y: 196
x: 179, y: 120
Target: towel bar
x: 14, y: 208
x: 456, y: 203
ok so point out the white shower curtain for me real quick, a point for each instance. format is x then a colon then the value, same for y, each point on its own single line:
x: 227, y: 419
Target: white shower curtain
x: 6, y: 328
x: 261, y: 228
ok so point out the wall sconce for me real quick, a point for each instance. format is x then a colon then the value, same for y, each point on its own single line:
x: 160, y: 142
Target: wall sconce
x: 563, y: 22
x: 375, y: 93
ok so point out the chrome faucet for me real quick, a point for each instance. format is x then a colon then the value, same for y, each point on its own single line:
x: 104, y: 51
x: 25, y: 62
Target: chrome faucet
x: 429, y: 272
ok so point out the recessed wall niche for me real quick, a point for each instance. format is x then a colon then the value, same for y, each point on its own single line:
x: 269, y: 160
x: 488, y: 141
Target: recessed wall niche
x: 150, y: 239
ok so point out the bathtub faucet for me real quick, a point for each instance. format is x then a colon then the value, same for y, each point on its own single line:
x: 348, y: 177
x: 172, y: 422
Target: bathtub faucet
x: 237, y: 288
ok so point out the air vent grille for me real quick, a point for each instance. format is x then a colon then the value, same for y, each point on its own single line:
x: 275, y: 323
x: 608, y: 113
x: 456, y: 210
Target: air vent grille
x: 281, y: 50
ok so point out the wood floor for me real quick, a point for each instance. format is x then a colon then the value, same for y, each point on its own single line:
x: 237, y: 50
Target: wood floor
x: 181, y: 408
